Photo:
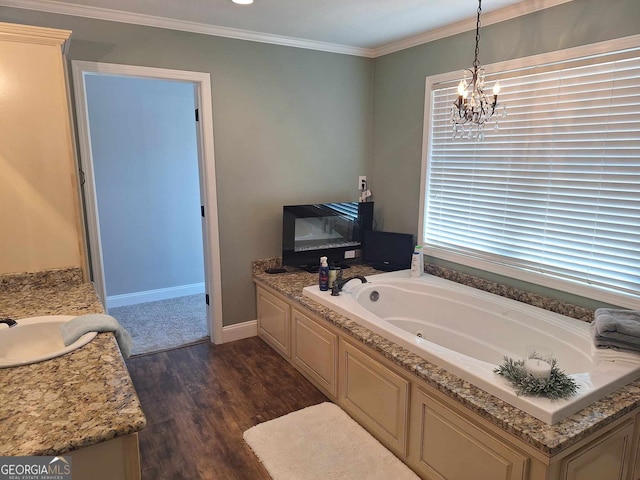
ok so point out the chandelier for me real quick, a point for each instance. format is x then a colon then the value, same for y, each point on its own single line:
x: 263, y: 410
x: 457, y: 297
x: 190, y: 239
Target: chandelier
x: 474, y: 107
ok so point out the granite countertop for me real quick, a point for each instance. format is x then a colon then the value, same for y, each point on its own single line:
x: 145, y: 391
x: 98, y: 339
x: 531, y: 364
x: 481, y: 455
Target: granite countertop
x: 549, y: 439
x: 72, y: 401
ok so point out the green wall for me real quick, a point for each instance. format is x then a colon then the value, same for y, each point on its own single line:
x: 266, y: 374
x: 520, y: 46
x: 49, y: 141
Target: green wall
x: 399, y: 84
x: 297, y: 126
x: 290, y: 126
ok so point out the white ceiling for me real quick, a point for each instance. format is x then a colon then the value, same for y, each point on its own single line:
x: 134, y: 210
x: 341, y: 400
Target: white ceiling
x: 359, y: 27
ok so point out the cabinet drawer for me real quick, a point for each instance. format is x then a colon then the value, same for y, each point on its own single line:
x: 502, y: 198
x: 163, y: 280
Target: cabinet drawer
x: 375, y: 395
x: 274, y: 324
x: 446, y: 446
x: 315, y: 351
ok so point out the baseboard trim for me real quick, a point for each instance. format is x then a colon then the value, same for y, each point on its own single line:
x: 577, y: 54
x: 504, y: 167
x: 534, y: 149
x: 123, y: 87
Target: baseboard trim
x: 231, y: 333
x: 154, y: 295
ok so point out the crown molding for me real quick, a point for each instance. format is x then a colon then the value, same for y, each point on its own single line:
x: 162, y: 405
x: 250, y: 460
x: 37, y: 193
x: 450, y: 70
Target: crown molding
x: 38, y: 35
x: 98, y: 13
x: 496, y: 16
x: 489, y: 18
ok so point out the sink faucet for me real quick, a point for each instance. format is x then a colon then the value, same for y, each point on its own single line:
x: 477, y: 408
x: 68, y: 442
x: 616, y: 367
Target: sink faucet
x: 9, y: 322
x: 339, y: 283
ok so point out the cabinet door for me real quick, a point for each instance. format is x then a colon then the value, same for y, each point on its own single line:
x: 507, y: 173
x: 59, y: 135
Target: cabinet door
x: 116, y: 458
x: 607, y: 457
x: 40, y: 213
x: 447, y: 446
x: 634, y: 474
x: 377, y: 397
x: 315, y: 351
x: 274, y: 325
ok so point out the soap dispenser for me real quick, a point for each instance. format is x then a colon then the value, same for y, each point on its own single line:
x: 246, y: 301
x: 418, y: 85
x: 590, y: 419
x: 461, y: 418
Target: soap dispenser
x: 324, y: 274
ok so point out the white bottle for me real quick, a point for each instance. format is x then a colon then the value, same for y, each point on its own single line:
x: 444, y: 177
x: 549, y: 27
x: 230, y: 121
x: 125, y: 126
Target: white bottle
x: 417, y: 262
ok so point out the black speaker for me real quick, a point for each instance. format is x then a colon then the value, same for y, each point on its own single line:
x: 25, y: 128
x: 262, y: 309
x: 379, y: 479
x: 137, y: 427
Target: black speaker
x: 387, y: 251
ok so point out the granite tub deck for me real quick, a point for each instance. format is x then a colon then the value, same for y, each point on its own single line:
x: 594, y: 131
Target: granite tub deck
x: 79, y: 399
x: 549, y: 439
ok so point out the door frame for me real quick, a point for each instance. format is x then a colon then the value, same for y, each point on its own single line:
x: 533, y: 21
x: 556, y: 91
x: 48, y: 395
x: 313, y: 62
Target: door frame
x: 206, y: 167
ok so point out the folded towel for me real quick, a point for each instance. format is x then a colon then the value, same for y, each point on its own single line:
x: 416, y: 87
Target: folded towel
x: 615, y: 328
x: 96, y: 322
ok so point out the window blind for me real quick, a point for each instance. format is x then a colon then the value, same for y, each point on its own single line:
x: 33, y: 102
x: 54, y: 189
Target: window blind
x: 556, y: 188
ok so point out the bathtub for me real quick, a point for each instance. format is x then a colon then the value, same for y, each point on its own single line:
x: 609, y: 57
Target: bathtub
x: 467, y: 332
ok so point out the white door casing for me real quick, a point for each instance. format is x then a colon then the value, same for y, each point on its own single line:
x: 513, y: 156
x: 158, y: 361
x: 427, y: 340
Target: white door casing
x: 206, y: 164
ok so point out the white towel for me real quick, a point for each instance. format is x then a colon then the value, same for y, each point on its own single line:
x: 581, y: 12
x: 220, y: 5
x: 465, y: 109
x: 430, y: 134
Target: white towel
x: 96, y: 322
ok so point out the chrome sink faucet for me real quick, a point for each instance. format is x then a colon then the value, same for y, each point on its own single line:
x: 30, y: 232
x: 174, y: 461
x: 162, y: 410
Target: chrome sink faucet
x: 9, y: 322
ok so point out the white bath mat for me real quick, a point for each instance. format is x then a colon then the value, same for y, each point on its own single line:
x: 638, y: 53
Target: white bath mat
x: 322, y: 443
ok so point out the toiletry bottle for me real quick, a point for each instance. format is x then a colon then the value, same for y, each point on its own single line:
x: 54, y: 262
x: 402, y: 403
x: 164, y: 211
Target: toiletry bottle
x: 417, y: 262
x: 324, y: 274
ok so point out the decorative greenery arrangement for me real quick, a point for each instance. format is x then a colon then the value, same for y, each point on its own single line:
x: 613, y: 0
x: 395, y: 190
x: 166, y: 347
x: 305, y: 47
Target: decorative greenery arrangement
x: 557, y: 386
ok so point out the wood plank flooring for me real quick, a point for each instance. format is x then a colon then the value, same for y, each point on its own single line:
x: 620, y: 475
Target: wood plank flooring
x: 198, y: 401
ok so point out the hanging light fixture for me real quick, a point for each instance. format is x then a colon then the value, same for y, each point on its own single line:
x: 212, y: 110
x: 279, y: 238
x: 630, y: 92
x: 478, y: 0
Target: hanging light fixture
x: 474, y: 107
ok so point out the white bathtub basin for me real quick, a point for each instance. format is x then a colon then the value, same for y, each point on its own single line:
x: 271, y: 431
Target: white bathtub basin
x: 468, y: 332
x: 36, y: 339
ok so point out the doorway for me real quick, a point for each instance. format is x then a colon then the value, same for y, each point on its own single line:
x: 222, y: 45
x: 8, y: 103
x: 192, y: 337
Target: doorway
x: 149, y: 191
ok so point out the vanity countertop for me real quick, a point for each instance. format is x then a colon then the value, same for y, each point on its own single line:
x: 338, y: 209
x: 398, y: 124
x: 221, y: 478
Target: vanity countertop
x: 549, y: 439
x: 72, y: 401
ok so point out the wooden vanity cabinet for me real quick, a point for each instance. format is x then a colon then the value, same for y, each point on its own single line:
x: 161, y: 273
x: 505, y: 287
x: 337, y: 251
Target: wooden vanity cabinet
x: 274, y: 324
x: 315, y: 352
x: 634, y: 474
x: 40, y: 217
x: 118, y: 458
x: 607, y: 456
x: 438, y: 437
x: 445, y: 444
x: 301, y: 339
x: 375, y: 395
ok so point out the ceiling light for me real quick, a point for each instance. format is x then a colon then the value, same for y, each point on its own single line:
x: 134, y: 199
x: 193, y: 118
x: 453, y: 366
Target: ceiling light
x: 243, y: 2
x: 474, y: 107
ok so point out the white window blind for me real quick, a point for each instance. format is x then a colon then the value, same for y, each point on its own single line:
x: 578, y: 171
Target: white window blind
x: 554, y: 194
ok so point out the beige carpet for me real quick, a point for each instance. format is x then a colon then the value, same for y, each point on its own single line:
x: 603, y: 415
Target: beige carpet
x: 164, y: 324
x: 322, y: 443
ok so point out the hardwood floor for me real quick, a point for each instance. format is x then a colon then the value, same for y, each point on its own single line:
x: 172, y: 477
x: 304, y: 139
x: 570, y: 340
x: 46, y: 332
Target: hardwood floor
x: 198, y: 401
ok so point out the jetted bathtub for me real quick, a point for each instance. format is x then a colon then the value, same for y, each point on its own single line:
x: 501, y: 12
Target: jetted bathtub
x: 468, y: 332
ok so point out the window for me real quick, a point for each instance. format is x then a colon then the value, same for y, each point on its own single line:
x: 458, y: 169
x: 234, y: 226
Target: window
x: 553, y: 195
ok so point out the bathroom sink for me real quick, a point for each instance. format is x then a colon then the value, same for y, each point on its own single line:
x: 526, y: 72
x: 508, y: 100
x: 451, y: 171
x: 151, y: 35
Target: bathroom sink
x: 36, y: 339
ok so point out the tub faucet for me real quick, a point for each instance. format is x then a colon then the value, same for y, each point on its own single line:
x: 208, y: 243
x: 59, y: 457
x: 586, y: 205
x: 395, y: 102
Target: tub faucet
x: 338, y: 284
x: 9, y: 322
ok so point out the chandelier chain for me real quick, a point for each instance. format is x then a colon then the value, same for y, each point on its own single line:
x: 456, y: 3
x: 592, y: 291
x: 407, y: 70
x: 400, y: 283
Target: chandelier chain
x: 476, y: 63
